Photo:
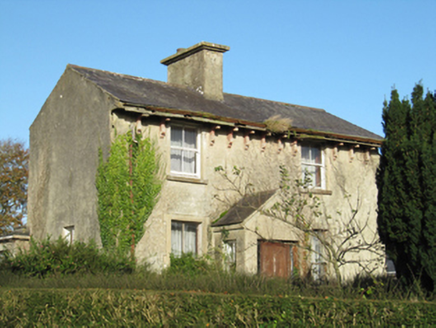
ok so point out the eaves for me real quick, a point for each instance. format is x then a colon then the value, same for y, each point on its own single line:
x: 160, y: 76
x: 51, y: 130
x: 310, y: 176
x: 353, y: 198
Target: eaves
x: 294, y: 133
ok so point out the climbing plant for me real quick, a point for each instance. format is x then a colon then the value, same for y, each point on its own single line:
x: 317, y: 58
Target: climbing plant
x: 128, y: 186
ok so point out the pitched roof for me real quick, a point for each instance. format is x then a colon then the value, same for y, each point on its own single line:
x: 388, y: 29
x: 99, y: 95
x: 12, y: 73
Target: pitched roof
x: 244, y: 208
x: 143, y: 92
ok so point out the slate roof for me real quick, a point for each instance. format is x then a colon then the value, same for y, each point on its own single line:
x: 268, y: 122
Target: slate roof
x: 244, y: 208
x: 143, y: 92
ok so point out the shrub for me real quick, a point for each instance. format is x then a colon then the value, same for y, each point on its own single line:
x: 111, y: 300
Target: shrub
x: 47, y: 258
x: 188, y: 264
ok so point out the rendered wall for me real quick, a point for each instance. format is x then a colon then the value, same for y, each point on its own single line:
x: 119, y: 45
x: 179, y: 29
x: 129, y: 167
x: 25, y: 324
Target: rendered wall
x: 65, y: 139
x: 350, y: 174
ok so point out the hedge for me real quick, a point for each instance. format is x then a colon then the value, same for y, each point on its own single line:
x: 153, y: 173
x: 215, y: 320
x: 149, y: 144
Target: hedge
x: 128, y: 308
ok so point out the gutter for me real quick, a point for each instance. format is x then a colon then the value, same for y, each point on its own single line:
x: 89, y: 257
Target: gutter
x: 296, y: 133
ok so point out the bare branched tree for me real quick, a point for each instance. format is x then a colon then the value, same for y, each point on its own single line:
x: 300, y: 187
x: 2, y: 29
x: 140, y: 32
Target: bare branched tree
x: 346, y: 239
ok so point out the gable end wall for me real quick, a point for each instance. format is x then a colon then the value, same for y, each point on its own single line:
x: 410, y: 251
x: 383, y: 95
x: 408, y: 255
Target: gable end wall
x: 64, y: 142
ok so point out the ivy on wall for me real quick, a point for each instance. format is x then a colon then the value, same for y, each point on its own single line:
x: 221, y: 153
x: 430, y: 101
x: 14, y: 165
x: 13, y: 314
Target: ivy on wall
x: 128, y: 186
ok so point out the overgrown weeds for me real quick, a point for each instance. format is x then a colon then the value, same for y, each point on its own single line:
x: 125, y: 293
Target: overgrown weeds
x: 214, y: 281
x: 60, y: 265
x: 278, y: 124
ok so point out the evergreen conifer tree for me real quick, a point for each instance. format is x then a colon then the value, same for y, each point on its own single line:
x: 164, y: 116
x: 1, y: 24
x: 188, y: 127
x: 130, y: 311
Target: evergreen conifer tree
x: 407, y: 187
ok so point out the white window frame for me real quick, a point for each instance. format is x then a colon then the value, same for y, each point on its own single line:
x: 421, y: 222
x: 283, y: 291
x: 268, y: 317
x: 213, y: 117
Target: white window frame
x: 68, y: 234
x: 321, y: 166
x: 197, y: 151
x: 184, y: 223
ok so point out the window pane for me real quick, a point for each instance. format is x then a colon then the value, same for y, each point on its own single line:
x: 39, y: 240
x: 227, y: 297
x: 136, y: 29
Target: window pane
x: 176, y: 238
x: 190, y: 242
x: 311, y: 155
x: 311, y: 175
x: 176, y: 136
x: 229, y: 249
x: 176, y: 160
x: 316, y: 250
x: 312, y: 165
x: 317, y: 177
x: 317, y: 259
x: 316, y: 155
x: 190, y: 138
x: 68, y: 234
x: 305, y: 154
x: 189, y: 163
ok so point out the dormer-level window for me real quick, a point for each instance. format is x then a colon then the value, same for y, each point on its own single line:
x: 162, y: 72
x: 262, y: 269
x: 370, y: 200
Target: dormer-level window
x: 185, y: 151
x: 312, y: 166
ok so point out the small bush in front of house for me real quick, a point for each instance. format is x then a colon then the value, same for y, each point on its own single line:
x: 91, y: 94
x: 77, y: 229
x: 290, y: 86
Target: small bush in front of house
x: 48, y: 258
x: 189, y: 264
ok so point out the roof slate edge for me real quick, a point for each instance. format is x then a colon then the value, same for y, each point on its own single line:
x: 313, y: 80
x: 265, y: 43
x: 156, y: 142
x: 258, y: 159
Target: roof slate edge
x: 302, y: 133
x: 73, y: 68
x: 269, y: 195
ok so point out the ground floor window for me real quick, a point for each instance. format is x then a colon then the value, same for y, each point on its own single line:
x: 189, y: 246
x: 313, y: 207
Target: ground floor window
x: 68, y: 234
x: 183, y: 237
x: 229, y: 252
x: 318, y: 262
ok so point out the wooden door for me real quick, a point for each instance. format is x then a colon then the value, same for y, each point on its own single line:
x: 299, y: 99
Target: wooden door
x: 275, y: 259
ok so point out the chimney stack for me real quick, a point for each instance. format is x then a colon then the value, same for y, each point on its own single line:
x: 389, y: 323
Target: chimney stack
x: 199, y: 67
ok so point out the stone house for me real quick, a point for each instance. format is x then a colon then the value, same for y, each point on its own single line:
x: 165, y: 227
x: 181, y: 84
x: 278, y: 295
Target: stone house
x: 198, y: 128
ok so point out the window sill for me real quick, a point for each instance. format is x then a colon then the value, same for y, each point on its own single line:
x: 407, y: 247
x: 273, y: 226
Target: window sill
x: 317, y: 191
x: 178, y: 178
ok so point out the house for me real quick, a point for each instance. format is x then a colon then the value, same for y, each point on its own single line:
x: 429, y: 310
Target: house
x: 198, y: 128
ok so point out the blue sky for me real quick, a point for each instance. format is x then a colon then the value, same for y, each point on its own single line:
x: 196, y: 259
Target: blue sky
x: 342, y: 56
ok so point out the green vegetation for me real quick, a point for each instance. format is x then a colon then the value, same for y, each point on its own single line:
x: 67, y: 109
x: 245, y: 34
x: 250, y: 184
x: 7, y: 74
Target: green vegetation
x: 127, y: 185
x: 56, y: 284
x: 278, y: 124
x: 95, y: 292
x: 407, y: 187
x: 58, y: 258
x: 189, y: 264
x: 14, y: 159
x: 133, y: 308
